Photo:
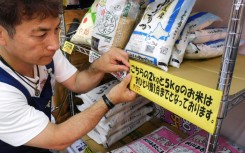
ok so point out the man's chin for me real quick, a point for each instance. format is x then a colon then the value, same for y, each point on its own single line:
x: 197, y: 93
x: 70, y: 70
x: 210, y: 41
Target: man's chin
x: 46, y: 61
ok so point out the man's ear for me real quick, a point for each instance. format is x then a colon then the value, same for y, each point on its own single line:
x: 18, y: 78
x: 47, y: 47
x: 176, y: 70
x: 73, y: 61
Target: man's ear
x: 3, y: 36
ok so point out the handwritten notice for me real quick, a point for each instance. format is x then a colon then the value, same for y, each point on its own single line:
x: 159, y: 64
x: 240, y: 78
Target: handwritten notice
x: 194, y: 102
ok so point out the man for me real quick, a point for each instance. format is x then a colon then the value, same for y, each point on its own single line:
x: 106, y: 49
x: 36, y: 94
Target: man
x: 29, y: 64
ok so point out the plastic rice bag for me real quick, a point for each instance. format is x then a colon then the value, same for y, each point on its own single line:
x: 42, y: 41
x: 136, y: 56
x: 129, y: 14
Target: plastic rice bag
x: 175, y: 120
x: 197, y: 144
x: 122, y: 133
x: 206, y: 35
x: 202, y: 20
x: 106, y: 123
x: 205, y: 50
x: 108, y: 141
x: 84, y: 32
x: 127, y: 121
x: 195, y: 22
x: 153, y: 38
x: 114, y: 24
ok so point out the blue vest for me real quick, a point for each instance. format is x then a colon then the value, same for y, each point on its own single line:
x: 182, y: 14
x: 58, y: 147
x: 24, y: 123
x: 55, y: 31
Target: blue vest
x: 38, y: 103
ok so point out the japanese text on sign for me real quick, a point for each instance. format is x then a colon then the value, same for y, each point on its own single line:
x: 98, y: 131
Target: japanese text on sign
x: 195, y: 103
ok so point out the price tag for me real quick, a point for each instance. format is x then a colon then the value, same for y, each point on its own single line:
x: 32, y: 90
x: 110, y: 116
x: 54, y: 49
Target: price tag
x: 68, y: 47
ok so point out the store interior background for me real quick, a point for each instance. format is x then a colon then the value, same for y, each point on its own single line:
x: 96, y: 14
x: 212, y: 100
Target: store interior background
x: 234, y: 124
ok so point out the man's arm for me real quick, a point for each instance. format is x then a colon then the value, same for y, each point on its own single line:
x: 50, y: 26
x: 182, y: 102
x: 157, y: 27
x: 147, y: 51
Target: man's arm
x: 62, y: 135
x: 114, y: 60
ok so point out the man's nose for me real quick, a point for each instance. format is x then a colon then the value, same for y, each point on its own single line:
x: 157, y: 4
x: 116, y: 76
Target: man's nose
x: 53, y: 42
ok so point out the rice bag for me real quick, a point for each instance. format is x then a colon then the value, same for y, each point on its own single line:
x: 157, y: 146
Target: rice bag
x: 114, y: 24
x: 205, y: 50
x: 83, y: 34
x: 108, y: 141
x: 127, y: 121
x: 159, y: 141
x: 201, y: 20
x: 122, y: 133
x: 153, y: 38
x: 206, y: 35
x: 179, y: 48
x: 175, y: 120
x: 107, y: 123
x: 195, y: 22
x: 197, y: 144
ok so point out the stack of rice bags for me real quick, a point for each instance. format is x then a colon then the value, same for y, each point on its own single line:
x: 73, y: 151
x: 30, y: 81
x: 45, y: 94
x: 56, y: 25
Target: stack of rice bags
x: 197, y: 40
x: 121, y: 16
x: 194, y: 32
x: 119, y: 121
x: 159, y: 141
x: 165, y: 140
x: 175, y: 120
x: 197, y: 144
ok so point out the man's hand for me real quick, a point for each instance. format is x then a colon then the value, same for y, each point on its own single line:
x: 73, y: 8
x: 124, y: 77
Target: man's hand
x: 121, y: 92
x: 115, y: 60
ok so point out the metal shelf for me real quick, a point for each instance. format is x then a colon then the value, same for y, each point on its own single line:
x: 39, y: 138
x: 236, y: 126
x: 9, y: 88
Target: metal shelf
x: 235, y: 26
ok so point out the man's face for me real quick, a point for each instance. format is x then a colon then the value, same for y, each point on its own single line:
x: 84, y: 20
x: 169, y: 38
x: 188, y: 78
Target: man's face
x: 34, y: 42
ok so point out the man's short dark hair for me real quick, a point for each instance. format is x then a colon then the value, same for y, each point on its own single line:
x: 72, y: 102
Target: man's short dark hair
x: 13, y: 12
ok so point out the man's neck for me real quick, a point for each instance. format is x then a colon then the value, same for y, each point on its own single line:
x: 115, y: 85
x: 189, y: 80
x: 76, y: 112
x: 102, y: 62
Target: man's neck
x: 18, y: 65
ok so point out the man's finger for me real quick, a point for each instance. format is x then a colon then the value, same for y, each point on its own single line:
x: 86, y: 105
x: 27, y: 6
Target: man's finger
x: 126, y: 80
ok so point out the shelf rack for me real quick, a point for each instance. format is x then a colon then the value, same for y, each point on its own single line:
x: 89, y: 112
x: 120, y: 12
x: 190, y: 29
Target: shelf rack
x: 235, y: 26
x: 227, y: 66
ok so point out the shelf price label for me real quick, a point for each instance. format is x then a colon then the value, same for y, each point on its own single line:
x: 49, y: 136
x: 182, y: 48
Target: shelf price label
x: 194, y: 102
x: 68, y: 47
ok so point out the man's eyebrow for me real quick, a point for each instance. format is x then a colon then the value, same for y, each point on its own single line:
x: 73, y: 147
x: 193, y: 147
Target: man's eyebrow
x: 40, y: 29
x: 43, y: 29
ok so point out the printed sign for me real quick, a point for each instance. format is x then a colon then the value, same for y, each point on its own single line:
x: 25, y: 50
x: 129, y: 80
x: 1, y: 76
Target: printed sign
x: 191, y: 101
x: 68, y: 47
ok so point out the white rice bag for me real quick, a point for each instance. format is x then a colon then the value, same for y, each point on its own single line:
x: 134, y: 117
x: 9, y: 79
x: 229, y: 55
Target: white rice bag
x: 155, y: 35
x: 179, y: 48
x: 95, y: 94
x: 114, y: 24
x: 122, y: 133
x: 205, y: 50
x: 201, y: 20
x: 110, y: 122
x: 195, y: 22
x: 125, y: 121
x: 107, y: 141
x: 118, y: 108
x: 83, y: 34
x: 206, y: 35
